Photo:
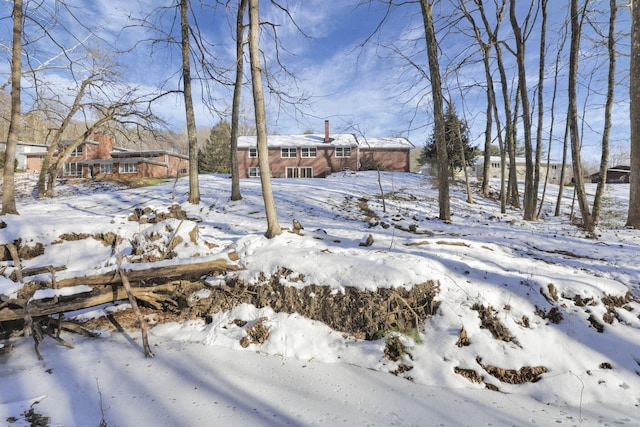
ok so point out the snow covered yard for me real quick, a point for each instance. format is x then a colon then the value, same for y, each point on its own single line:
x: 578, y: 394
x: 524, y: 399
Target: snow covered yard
x: 535, y: 324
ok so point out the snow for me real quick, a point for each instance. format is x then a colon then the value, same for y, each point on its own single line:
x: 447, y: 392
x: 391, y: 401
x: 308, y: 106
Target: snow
x: 306, y: 373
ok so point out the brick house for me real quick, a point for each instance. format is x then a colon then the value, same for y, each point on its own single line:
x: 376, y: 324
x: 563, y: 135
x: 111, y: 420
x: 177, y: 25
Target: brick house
x: 318, y: 156
x: 96, y: 157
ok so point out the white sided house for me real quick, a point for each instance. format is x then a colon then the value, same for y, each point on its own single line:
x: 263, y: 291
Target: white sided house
x: 318, y: 156
x: 24, y: 149
x: 554, y: 168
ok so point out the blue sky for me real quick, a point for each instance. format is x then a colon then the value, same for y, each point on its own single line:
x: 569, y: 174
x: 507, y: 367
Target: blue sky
x: 367, y: 89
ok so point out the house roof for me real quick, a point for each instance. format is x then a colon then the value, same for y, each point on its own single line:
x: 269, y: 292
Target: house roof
x: 317, y: 140
x: 86, y: 141
x: 25, y: 144
x: 121, y: 154
x: 291, y: 141
x: 385, y: 143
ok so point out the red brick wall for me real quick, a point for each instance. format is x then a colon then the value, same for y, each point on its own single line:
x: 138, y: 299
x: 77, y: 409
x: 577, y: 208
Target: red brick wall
x: 105, y: 146
x: 385, y: 159
x: 323, y: 164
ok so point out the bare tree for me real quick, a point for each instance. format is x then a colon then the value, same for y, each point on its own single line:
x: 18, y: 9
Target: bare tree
x: 235, y: 109
x: 530, y: 192
x: 556, y: 76
x: 438, y: 110
x: 633, y: 217
x: 273, y: 227
x: 485, y: 49
x: 572, y: 116
x: 194, y: 187
x: 608, y: 108
x: 508, y: 143
x: 540, y: 90
x: 8, y: 183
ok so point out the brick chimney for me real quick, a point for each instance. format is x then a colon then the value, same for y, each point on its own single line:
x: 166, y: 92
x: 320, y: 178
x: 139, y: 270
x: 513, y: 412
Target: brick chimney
x: 326, y: 131
x: 105, y: 144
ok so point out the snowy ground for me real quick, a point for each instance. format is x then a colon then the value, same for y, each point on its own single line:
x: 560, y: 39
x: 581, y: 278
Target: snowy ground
x: 307, y: 374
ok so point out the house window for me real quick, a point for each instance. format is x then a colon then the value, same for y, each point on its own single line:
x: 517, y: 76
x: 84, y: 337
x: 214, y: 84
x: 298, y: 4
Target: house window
x: 253, y: 152
x: 254, y: 172
x: 286, y: 153
x: 106, y: 169
x: 128, y: 167
x: 304, y: 172
x: 495, y: 165
x: 343, y: 151
x: 77, y: 152
x: 72, y: 169
x: 308, y: 152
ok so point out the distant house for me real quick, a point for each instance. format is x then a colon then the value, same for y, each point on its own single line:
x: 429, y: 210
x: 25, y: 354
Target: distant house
x: 616, y: 175
x: 318, y: 156
x: 555, y: 169
x: 23, y: 149
x: 98, y: 158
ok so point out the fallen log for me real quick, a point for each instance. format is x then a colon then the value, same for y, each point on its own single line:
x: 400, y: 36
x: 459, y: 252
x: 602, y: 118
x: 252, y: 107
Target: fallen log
x: 99, y: 295
x: 153, y: 285
x: 163, y: 273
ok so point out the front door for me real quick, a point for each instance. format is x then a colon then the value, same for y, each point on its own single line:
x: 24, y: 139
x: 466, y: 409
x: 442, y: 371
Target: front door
x: 300, y: 172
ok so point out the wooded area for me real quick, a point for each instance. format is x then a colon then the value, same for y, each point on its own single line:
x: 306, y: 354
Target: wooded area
x: 501, y: 35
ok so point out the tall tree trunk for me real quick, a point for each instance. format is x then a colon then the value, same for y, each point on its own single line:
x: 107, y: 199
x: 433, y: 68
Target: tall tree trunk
x: 608, y: 108
x: 565, y: 149
x: 530, y: 192
x: 8, y: 183
x: 633, y: 217
x: 438, y: 110
x: 511, y: 192
x: 489, y: 126
x: 192, y: 136
x: 541, y: 70
x: 512, y: 184
x: 587, y: 219
x: 273, y: 227
x: 507, y: 142
x: 551, y: 128
x: 235, y: 110
x: 485, y: 48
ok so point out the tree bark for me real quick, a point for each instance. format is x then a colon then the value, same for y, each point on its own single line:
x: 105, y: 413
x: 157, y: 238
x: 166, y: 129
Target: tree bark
x: 438, y: 111
x: 608, y: 108
x: 8, y: 183
x: 134, y: 306
x: 633, y: 217
x: 507, y: 144
x: 192, y: 136
x: 235, y: 110
x: 530, y: 192
x: 574, y: 132
x: 485, y: 48
x: 273, y: 227
x: 106, y: 287
x: 540, y: 123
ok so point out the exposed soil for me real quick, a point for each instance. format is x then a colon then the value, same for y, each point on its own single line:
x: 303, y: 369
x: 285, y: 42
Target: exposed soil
x: 361, y: 313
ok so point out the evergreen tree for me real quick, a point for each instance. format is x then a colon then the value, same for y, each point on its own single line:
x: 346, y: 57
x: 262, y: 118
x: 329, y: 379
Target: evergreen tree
x: 457, y: 137
x: 215, y: 156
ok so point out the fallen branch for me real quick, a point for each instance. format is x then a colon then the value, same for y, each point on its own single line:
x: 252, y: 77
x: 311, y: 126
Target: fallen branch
x: 136, y: 310
x: 99, y: 295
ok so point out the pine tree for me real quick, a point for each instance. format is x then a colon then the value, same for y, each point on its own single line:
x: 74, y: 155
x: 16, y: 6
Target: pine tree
x: 457, y: 137
x: 215, y: 156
